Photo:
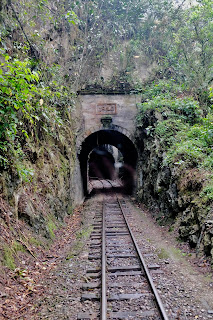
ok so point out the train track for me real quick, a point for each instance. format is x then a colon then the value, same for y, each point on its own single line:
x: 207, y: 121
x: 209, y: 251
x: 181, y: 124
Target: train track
x: 120, y: 281
x: 103, y: 184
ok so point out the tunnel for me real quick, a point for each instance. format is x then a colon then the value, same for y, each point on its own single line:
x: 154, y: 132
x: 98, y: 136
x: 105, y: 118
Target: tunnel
x: 101, y: 163
x: 122, y: 143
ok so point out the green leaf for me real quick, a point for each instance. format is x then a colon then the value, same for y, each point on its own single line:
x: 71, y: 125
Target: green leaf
x: 7, y: 57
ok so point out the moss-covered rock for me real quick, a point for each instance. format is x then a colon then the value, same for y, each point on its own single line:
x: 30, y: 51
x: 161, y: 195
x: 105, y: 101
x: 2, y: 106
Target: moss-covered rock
x: 175, y: 176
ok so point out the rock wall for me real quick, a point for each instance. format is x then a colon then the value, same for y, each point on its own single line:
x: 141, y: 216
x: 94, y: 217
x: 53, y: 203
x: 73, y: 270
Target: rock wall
x: 173, y: 194
x: 55, y: 188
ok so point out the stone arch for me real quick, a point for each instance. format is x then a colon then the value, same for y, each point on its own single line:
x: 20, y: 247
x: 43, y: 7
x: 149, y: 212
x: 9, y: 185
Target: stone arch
x: 95, y: 129
x: 116, y: 136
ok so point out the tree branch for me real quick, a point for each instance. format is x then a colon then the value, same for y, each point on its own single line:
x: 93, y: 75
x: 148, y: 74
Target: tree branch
x: 32, y: 49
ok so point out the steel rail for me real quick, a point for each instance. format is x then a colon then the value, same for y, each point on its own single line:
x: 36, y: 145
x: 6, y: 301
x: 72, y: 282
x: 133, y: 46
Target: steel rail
x: 144, y: 266
x: 103, y: 313
x: 103, y: 271
x: 99, y: 180
x: 158, y: 301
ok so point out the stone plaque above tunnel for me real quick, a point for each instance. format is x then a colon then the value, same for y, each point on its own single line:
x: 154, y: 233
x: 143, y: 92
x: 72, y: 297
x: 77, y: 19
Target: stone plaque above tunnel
x: 121, y: 108
x: 106, y: 108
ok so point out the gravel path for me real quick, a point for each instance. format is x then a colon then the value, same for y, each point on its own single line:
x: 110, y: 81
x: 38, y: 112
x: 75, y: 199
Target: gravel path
x: 185, y: 288
x: 186, y: 291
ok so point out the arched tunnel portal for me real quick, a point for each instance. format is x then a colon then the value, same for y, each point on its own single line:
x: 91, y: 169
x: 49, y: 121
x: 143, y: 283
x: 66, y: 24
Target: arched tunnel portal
x: 118, y: 140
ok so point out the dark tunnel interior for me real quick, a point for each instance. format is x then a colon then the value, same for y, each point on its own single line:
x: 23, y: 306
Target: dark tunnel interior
x: 93, y: 152
x: 101, y: 163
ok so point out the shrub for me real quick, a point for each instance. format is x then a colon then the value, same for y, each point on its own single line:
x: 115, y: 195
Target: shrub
x: 184, y: 133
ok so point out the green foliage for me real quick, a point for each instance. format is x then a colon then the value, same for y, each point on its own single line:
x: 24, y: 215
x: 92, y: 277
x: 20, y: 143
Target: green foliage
x: 26, y: 104
x: 17, y: 246
x: 162, y: 253
x: 193, y: 146
x: 188, y: 109
x: 18, y: 90
x: 9, y: 252
x: 185, y: 134
x: 81, y: 236
x: 186, y: 154
x: 51, y: 227
x: 72, y: 17
x: 161, y: 96
x: 70, y: 210
x: 35, y: 241
x: 166, y: 130
x: 18, y: 100
x: 177, y: 39
x: 180, y: 40
x: 35, y: 95
x: 9, y: 258
x: 191, y: 51
x: 163, y: 88
x: 207, y: 191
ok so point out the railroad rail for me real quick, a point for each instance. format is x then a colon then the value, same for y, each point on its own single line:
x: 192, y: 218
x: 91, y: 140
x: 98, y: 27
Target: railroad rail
x: 121, y: 282
x: 104, y: 184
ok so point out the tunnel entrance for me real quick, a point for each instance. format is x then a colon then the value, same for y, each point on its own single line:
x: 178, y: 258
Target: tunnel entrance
x: 96, y: 160
x: 102, y: 163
